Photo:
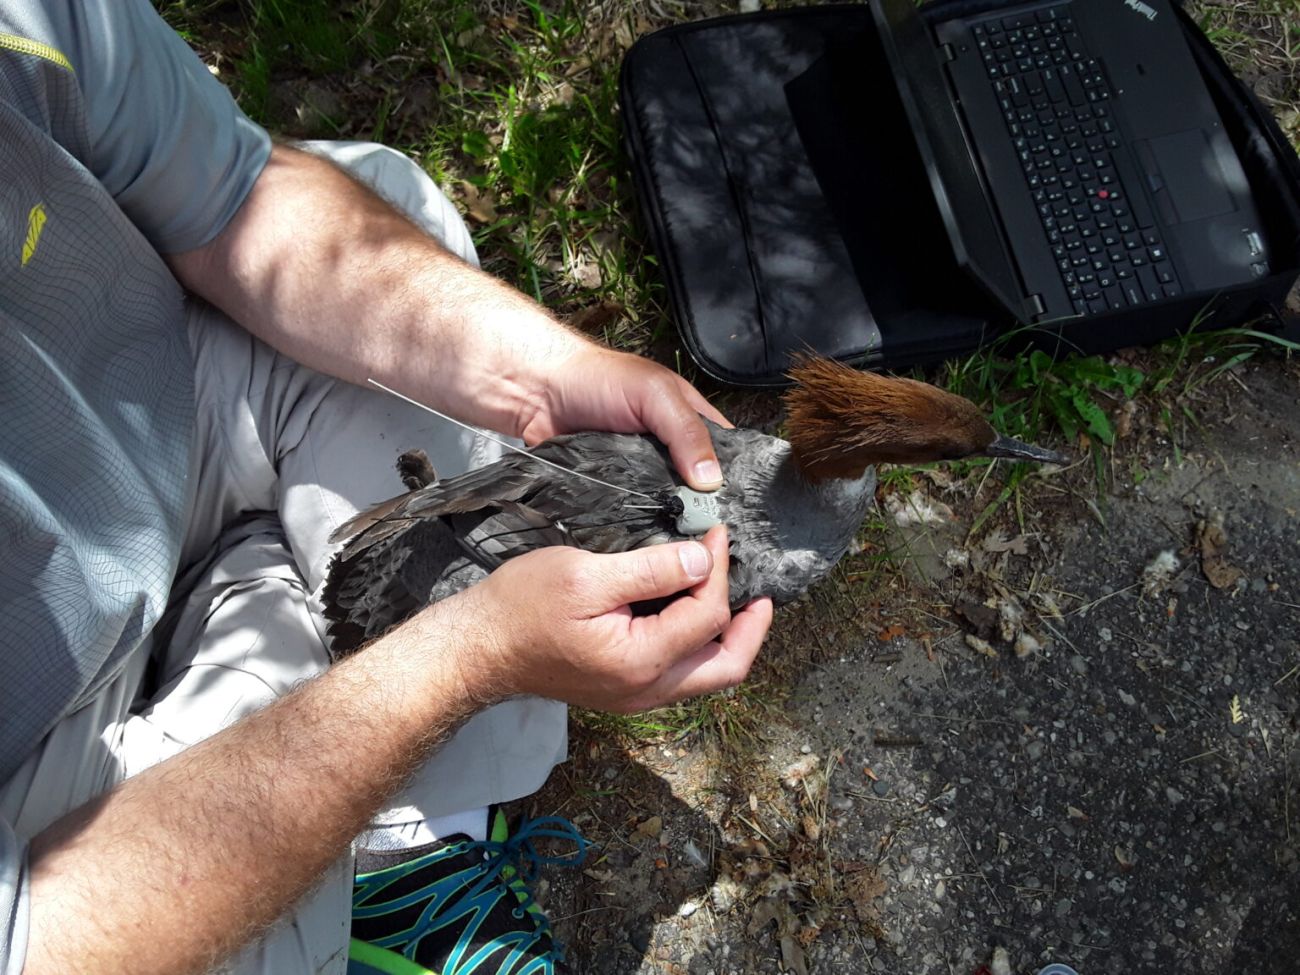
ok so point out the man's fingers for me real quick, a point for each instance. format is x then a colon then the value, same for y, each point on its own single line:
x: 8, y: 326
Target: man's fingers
x: 719, y: 664
x: 650, y: 573
x: 675, y: 420
x: 697, y: 617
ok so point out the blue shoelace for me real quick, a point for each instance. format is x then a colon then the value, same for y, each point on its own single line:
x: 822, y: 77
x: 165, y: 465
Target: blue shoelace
x: 520, y: 852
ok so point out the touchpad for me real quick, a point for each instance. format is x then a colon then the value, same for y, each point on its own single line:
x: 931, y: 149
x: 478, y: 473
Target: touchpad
x: 1187, y: 180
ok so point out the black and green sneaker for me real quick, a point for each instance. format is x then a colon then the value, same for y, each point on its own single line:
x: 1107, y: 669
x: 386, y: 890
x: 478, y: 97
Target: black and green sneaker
x: 458, y: 907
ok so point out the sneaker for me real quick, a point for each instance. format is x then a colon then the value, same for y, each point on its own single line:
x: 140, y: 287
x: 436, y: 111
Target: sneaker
x: 459, y: 906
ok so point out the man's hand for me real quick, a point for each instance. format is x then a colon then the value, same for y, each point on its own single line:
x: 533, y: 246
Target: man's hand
x: 558, y: 623
x: 600, y: 389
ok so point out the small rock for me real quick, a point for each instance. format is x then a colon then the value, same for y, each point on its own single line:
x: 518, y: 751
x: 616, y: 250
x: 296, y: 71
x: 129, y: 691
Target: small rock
x: 1035, y: 750
x: 880, y: 787
x: 1064, y: 906
x: 688, y: 908
x: 1104, y: 634
x: 1127, y: 698
x: 1001, y: 962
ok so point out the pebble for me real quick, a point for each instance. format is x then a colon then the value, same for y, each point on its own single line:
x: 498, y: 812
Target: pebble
x: 1035, y: 750
x: 688, y: 908
x: 880, y: 787
x: 1078, y: 664
x: 1127, y: 698
x: 1064, y: 906
x: 1104, y: 634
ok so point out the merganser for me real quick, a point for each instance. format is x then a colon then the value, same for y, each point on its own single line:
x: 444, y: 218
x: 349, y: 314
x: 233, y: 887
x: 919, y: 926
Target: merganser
x: 791, y: 507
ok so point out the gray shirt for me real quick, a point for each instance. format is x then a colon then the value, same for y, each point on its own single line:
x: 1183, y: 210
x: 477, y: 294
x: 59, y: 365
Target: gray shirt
x: 115, y: 144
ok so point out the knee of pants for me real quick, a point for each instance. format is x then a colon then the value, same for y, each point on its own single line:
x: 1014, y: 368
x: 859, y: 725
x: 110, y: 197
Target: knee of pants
x: 243, y: 636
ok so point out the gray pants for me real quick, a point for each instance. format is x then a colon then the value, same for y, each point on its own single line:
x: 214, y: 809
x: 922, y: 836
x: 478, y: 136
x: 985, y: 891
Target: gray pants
x: 283, y: 456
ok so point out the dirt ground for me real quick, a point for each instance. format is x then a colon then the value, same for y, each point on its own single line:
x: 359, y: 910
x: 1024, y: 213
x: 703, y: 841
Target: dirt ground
x: 1075, y: 738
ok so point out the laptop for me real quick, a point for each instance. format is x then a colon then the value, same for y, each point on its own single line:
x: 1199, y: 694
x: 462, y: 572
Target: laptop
x: 1078, y: 162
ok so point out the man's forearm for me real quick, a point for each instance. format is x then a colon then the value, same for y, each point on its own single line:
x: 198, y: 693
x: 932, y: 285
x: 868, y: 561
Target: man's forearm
x: 185, y: 862
x: 322, y: 269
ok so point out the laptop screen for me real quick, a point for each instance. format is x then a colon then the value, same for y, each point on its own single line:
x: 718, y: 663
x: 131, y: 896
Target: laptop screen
x: 970, y: 221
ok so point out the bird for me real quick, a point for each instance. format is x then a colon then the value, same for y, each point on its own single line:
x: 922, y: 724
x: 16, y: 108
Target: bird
x: 792, y: 506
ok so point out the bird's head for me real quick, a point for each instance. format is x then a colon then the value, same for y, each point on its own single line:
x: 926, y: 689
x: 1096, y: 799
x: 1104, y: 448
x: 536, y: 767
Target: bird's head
x: 842, y: 420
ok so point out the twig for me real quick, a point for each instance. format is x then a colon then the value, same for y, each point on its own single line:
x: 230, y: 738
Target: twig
x: 871, y: 796
x: 1212, y: 751
x: 957, y: 720
x: 971, y: 853
x: 757, y: 829
x: 1101, y: 599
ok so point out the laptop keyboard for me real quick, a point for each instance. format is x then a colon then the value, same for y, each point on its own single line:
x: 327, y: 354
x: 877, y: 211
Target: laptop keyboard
x: 1057, y: 105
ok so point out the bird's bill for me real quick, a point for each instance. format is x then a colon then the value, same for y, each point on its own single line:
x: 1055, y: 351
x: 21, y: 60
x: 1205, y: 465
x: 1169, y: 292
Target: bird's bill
x: 1018, y: 450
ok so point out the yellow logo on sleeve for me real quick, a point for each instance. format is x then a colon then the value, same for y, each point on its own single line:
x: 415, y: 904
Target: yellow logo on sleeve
x: 35, y: 224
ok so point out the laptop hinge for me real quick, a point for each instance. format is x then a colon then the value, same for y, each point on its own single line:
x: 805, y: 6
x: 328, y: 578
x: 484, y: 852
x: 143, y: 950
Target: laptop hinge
x: 948, y: 53
x: 1034, y: 307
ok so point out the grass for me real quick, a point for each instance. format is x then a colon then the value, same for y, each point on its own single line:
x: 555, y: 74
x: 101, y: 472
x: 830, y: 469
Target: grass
x: 512, y: 108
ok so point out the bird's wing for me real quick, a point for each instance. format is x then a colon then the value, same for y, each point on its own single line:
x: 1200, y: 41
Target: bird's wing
x: 372, y: 587
x: 418, y: 547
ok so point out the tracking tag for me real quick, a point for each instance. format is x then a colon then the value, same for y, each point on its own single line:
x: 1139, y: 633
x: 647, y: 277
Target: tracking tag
x: 700, y: 511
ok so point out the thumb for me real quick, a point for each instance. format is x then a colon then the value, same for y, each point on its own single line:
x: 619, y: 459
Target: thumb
x: 652, y: 572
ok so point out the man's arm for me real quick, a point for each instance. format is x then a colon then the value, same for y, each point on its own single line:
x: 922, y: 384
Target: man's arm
x: 182, y: 864
x: 321, y: 268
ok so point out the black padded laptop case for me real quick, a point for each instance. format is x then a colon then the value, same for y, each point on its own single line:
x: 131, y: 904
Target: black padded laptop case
x: 790, y: 211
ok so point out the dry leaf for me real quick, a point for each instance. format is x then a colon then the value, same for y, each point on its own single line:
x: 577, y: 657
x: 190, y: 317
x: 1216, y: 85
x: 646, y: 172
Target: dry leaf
x: 651, y: 828
x: 998, y: 542
x: 1212, y: 541
x: 1124, y: 419
x: 765, y: 912
x: 480, y: 204
x: 980, y: 645
x: 792, y: 955
x: 596, y: 317
x: 863, y: 888
x: 810, y: 827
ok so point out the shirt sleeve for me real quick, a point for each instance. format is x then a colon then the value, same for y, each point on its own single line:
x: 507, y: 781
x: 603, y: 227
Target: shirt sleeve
x: 166, y: 138
x: 13, y: 902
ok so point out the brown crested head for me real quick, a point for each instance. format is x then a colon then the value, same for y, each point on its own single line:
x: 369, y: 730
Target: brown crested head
x: 842, y: 420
